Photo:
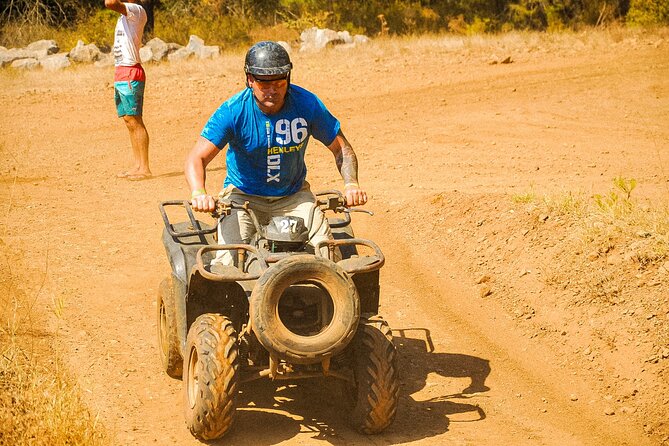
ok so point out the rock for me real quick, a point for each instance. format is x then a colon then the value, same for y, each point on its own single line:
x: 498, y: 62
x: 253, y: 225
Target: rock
x: 315, y: 39
x: 145, y: 54
x: 172, y: 47
x: 195, y: 42
x: 84, y: 53
x: 208, y: 52
x: 105, y: 60
x: 7, y: 57
x: 43, y: 48
x: 159, y: 49
x: 483, y: 279
x: 25, y: 64
x: 593, y: 256
x: 360, y: 39
x: 55, y: 62
x: 180, y: 54
x: 485, y: 291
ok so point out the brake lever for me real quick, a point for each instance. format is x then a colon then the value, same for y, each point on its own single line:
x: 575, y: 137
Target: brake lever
x: 349, y: 210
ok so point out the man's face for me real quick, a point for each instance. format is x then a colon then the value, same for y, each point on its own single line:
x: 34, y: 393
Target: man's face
x: 269, y: 91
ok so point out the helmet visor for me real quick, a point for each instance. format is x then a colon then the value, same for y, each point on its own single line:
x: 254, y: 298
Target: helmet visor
x: 270, y: 81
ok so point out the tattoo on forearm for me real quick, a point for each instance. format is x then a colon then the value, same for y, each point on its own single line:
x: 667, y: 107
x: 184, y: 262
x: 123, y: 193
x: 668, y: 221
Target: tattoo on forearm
x: 348, y: 164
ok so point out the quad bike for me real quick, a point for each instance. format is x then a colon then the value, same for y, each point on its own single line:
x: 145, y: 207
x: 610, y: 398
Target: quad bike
x: 285, y: 311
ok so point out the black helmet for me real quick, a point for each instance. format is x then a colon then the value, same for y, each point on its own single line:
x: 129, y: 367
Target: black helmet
x: 267, y: 59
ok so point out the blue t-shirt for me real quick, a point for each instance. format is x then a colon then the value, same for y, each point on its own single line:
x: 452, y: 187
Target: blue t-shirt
x: 266, y: 152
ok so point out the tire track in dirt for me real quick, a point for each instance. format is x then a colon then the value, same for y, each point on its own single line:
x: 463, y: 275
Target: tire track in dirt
x: 423, y: 291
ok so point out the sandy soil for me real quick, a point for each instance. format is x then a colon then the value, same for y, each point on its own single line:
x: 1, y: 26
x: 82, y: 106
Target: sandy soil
x: 501, y: 342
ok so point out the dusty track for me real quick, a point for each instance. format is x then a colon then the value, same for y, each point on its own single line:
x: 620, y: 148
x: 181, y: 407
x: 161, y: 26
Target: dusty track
x: 565, y: 115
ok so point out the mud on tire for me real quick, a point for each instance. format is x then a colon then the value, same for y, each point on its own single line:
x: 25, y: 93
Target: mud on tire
x: 168, y: 339
x: 211, y: 376
x: 375, y: 393
x: 279, y: 339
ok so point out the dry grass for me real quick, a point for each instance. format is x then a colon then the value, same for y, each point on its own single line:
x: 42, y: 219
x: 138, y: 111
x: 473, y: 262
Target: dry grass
x: 614, y: 236
x: 39, y: 404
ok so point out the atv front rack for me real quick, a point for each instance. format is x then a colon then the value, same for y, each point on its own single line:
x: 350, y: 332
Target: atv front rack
x: 225, y: 273
x: 355, y: 264
x: 194, y: 223
x: 331, y: 200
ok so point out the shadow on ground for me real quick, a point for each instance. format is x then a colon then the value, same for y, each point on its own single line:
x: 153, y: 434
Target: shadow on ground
x: 271, y: 412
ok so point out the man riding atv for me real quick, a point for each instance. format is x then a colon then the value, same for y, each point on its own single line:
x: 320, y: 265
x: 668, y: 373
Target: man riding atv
x: 267, y: 128
x: 284, y: 291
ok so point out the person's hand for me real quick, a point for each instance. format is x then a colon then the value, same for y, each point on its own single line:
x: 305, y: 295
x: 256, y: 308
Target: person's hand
x: 354, y: 195
x: 202, y: 202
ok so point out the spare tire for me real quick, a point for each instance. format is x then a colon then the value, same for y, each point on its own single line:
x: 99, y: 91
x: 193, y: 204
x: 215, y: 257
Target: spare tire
x: 288, y: 344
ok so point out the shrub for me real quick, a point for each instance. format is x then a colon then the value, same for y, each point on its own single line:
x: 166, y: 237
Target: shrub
x: 648, y: 12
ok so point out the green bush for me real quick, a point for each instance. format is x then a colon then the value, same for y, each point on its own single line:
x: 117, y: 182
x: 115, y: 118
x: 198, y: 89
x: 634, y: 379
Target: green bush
x: 98, y: 28
x: 648, y: 12
x: 214, y: 29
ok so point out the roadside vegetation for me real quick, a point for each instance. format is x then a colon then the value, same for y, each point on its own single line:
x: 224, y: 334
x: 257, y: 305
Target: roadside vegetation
x: 615, y: 227
x: 235, y: 23
x: 40, y: 405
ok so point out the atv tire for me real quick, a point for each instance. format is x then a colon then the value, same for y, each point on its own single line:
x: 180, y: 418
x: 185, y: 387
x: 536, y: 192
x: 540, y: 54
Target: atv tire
x: 375, y: 392
x: 211, y: 376
x: 279, y: 339
x: 168, y: 339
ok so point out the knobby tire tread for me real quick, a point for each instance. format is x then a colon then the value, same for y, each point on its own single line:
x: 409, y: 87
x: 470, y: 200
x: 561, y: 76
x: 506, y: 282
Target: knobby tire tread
x: 376, y: 375
x: 218, y: 360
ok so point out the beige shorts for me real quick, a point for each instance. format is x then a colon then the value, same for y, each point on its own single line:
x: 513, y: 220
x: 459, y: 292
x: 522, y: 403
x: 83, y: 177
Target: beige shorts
x: 238, y: 227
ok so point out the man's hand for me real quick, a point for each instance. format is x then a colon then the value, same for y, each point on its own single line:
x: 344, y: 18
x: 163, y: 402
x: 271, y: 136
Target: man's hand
x: 202, y: 202
x: 355, y: 196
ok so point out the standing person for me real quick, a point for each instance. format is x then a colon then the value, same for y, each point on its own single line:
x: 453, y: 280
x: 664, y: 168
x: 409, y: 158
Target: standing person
x: 129, y: 79
x: 267, y: 127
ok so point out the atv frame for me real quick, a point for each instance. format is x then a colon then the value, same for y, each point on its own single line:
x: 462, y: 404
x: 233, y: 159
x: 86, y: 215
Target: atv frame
x: 247, y: 319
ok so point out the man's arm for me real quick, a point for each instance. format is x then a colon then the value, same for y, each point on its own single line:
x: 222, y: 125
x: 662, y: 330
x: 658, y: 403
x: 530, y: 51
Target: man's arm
x: 195, y: 170
x: 347, y: 163
x: 116, y: 5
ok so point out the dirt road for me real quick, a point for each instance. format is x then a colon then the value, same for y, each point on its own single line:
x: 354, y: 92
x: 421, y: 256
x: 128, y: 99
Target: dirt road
x: 438, y: 128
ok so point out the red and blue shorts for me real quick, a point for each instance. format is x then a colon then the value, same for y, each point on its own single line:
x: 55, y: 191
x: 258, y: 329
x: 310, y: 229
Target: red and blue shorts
x: 129, y: 90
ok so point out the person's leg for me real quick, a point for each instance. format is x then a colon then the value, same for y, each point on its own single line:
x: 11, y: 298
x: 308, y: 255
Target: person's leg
x: 235, y: 228
x: 303, y: 204
x: 129, y: 97
x: 139, y: 139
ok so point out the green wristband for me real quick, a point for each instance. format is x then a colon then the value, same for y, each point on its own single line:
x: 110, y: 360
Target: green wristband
x: 198, y: 192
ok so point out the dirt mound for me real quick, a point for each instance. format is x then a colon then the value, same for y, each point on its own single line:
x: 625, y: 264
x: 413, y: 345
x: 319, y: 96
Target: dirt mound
x: 595, y: 296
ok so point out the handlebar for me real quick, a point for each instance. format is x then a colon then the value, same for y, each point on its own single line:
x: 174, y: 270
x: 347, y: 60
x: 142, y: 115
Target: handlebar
x: 329, y: 200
